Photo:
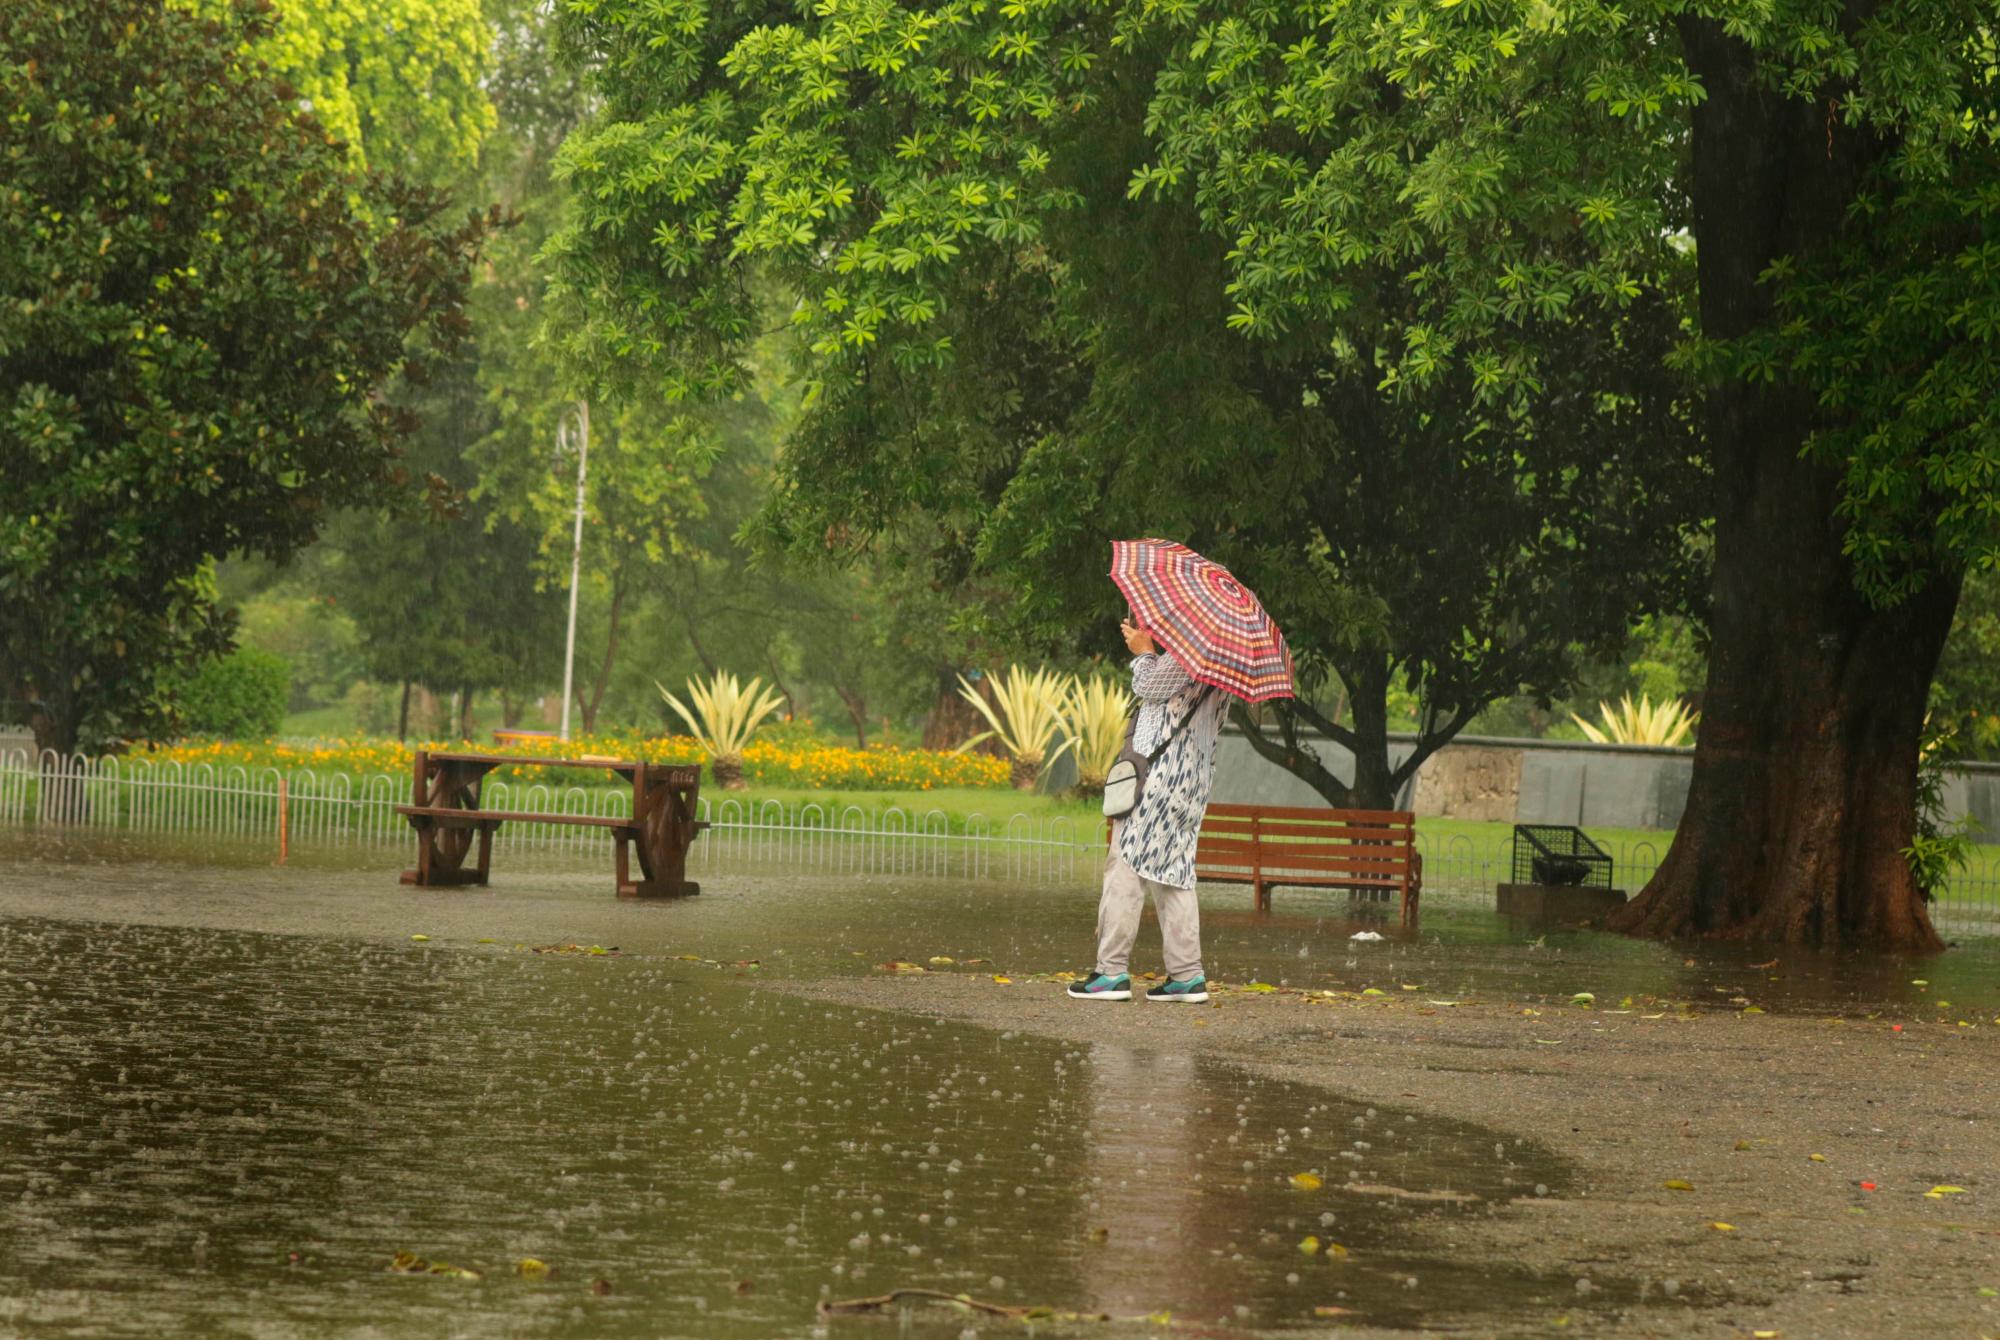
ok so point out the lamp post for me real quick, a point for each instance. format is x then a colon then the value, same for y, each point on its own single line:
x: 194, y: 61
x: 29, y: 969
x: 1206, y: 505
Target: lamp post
x: 573, y: 436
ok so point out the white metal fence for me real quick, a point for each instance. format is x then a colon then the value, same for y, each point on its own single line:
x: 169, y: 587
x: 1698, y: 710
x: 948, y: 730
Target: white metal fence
x: 313, y: 813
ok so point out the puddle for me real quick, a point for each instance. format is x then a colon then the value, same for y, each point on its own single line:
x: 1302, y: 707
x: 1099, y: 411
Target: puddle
x: 236, y: 1091
x: 232, y: 1133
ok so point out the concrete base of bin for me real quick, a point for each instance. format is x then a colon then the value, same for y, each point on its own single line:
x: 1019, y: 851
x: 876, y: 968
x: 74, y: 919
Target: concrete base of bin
x: 1549, y: 902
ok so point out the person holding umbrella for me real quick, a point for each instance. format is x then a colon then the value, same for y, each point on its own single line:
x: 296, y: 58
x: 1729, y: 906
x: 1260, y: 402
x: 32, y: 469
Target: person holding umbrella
x: 1198, y: 637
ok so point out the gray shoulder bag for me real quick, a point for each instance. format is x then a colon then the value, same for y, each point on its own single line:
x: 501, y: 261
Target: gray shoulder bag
x: 1126, y: 781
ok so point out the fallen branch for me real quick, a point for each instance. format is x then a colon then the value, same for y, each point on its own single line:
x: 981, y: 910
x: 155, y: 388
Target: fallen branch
x: 853, y: 1306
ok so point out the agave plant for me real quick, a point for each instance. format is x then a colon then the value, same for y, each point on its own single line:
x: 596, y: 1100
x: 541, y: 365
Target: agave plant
x: 1643, y: 722
x: 1026, y: 717
x: 1094, y: 713
x: 726, y: 714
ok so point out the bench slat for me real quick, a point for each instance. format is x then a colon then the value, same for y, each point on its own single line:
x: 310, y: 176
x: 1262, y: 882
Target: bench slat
x: 1297, y: 835
x: 1387, y: 869
x: 1401, y: 819
x: 1277, y: 853
x: 467, y: 818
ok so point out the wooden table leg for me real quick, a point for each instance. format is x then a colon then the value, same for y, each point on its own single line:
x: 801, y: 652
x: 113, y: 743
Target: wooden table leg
x: 663, y: 829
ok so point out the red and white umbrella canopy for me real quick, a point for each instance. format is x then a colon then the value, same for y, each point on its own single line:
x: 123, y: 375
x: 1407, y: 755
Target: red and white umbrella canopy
x: 1206, y: 620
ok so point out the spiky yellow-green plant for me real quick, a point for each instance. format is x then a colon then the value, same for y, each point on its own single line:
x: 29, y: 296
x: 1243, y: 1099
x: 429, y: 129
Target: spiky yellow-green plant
x: 725, y: 715
x: 1094, y: 712
x: 1026, y: 718
x: 1643, y: 722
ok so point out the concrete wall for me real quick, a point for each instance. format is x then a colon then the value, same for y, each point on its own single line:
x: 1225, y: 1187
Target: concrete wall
x: 1539, y: 781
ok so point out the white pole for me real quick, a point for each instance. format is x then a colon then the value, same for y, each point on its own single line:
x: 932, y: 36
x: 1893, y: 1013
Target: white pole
x: 578, y: 428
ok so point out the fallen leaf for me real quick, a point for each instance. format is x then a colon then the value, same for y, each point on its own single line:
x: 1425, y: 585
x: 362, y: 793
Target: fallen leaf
x: 1764, y: 1335
x: 1100, y: 1235
x: 1940, y: 1192
x: 1583, y: 998
x: 942, y: 960
x: 420, y: 937
x: 1918, y: 981
x: 452, y: 1272
x: 1306, y: 1181
x: 1678, y: 1184
x: 1261, y: 988
x: 1004, y: 981
x: 485, y: 940
x: 1550, y: 1042
x: 1721, y: 1227
x: 1753, y: 1009
x: 1309, y: 1245
x: 1772, y: 964
x: 1331, y: 1311
x: 1371, y: 991
x: 1336, y: 1252
x: 744, y: 1288
x: 1408, y: 987
x: 898, y: 965
x: 1817, y: 1158
x: 530, y: 1268
x: 1867, y: 1186
x: 600, y: 1287
x: 1742, y: 1145
x: 408, y: 1263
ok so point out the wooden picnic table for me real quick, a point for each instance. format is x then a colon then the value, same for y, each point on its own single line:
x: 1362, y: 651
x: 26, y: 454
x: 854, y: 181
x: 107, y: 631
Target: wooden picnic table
x: 444, y: 810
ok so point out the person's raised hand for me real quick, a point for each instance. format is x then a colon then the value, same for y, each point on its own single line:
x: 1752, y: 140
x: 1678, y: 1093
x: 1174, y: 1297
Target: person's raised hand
x: 1137, y: 640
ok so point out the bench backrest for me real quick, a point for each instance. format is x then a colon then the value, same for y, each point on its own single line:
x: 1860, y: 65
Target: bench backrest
x: 1365, y: 846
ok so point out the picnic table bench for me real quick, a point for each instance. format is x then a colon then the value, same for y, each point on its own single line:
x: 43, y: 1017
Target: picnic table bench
x: 1367, y: 852
x: 444, y: 810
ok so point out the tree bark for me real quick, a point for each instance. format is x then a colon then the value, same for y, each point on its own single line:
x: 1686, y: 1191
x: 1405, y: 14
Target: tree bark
x: 465, y: 713
x: 1804, y: 788
x: 596, y: 700
x: 403, y: 714
x: 953, y: 721
x: 857, y: 711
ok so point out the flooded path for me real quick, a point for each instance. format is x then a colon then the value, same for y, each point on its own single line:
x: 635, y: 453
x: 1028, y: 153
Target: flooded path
x: 235, y: 1093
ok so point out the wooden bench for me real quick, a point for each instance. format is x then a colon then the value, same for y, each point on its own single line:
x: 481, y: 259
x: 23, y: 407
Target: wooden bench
x: 445, y: 812
x: 1360, y: 851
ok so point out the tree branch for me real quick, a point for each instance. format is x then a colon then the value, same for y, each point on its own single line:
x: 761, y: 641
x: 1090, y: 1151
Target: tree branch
x: 1293, y: 757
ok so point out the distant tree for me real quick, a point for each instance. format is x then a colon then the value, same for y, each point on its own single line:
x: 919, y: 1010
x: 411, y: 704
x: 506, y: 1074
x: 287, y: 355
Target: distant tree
x: 401, y: 82
x: 201, y: 304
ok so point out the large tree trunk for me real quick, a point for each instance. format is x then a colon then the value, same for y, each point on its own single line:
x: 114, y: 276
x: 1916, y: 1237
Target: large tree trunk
x: 1803, y: 794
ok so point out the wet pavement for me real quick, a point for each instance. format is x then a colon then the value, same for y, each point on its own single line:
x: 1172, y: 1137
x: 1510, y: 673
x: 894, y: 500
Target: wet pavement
x: 236, y: 1092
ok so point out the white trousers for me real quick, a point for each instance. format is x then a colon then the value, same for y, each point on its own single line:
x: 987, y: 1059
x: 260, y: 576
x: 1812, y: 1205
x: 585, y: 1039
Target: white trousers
x: 1124, y: 901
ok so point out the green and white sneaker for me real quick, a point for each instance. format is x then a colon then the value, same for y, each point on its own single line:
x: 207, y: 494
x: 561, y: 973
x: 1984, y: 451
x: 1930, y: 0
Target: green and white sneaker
x: 1191, y: 992
x: 1098, y: 986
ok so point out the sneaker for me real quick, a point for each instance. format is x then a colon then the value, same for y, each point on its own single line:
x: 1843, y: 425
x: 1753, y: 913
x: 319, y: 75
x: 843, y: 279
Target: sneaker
x: 1096, y: 986
x: 1191, y: 992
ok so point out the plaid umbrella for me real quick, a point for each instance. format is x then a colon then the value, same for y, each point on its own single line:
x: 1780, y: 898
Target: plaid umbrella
x: 1205, y: 618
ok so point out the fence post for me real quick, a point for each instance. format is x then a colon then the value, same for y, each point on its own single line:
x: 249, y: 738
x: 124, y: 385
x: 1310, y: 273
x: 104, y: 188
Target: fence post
x: 284, y: 797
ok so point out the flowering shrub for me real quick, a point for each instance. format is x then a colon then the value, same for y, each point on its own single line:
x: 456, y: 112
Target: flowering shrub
x: 789, y: 763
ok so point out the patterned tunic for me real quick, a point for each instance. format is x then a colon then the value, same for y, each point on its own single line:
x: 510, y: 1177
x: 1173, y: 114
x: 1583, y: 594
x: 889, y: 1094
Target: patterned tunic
x: 1158, y: 838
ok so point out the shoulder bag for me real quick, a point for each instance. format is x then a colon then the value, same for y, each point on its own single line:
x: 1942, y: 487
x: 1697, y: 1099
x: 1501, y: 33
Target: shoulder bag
x: 1126, y: 781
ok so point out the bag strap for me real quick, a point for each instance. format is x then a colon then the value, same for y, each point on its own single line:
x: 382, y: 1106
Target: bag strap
x: 1167, y: 736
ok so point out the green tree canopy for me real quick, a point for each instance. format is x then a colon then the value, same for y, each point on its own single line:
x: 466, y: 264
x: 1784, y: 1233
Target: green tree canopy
x: 200, y: 303
x: 401, y: 82
x: 1013, y: 321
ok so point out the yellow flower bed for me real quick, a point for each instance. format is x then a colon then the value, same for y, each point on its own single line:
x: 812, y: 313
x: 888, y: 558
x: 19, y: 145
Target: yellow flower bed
x: 811, y: 764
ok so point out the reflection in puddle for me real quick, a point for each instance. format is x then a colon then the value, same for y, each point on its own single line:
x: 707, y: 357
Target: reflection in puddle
x: 227, y: 1132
